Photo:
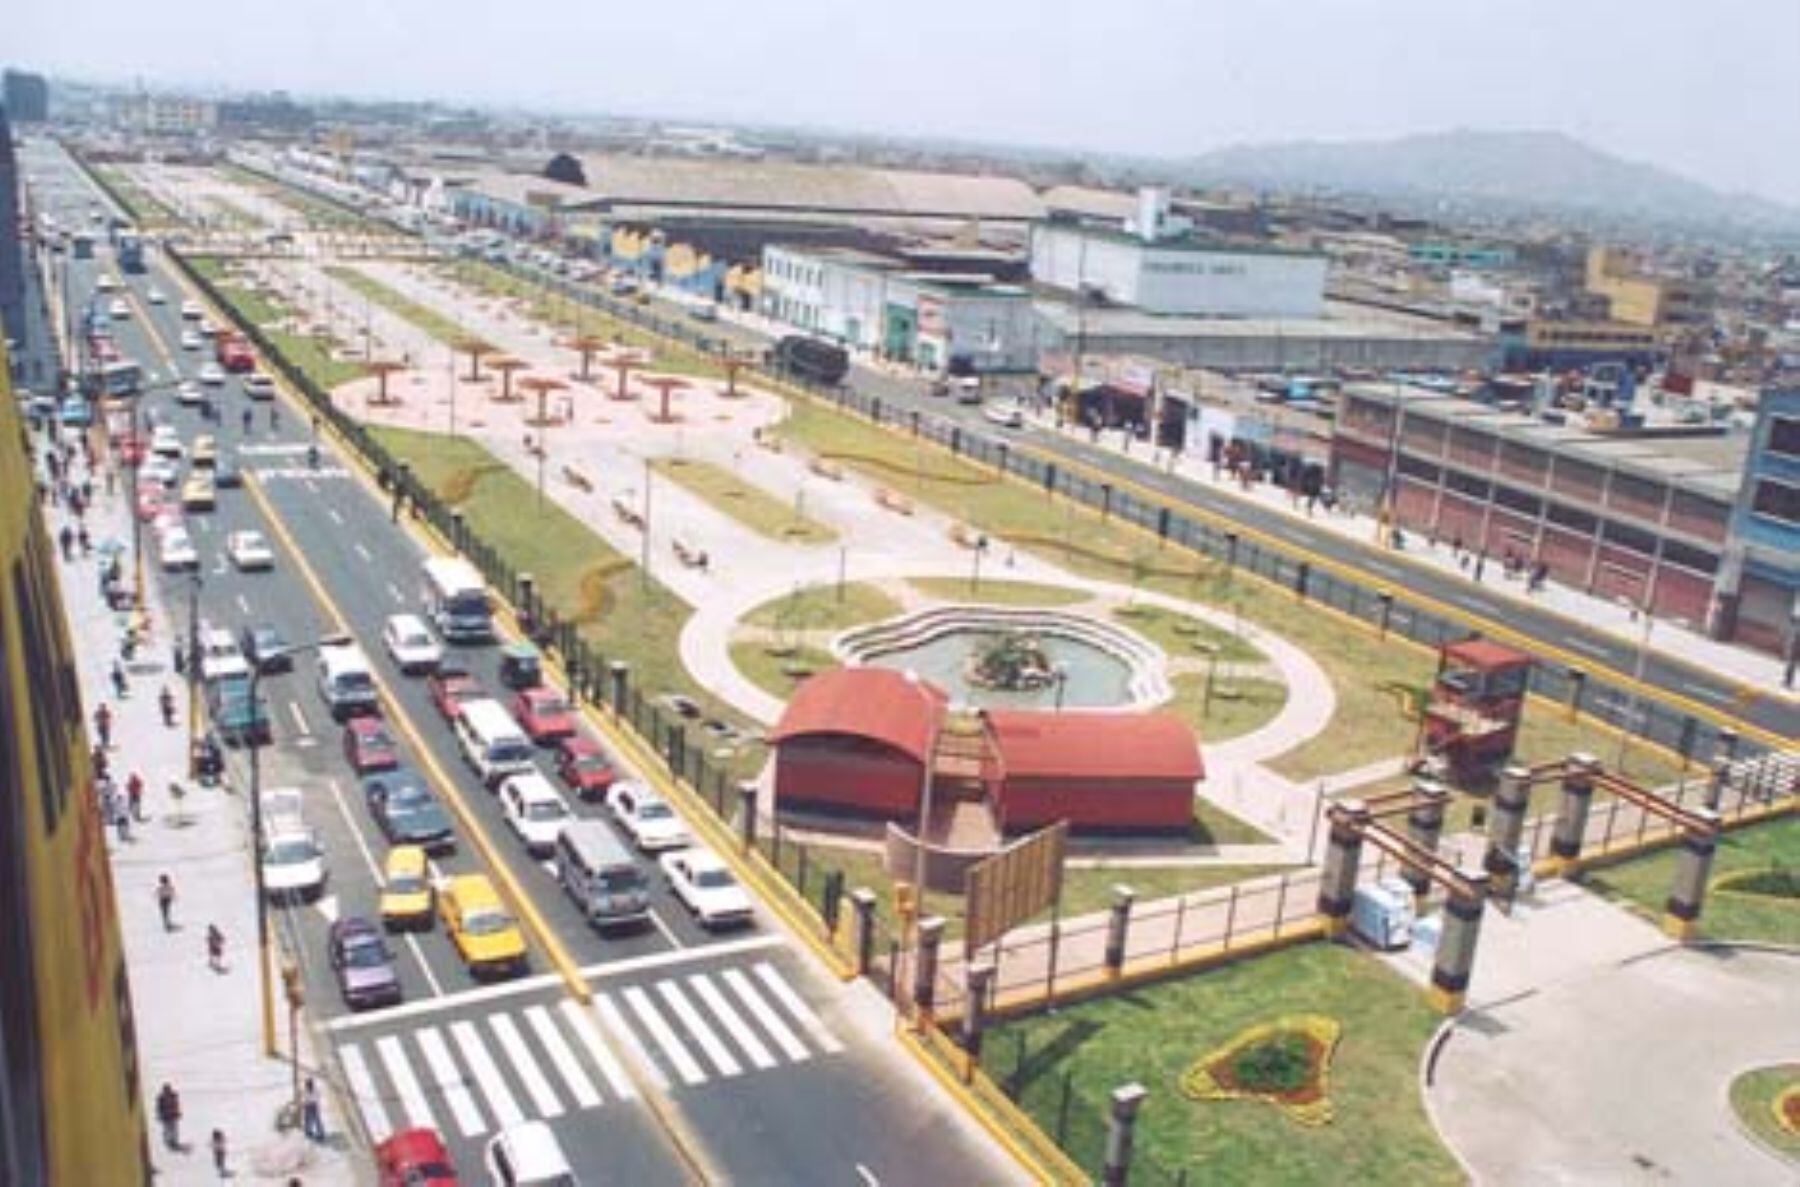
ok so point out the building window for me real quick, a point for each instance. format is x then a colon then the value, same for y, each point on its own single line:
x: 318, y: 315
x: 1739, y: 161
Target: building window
x: 1777, y: 500
x: 1784, y: 436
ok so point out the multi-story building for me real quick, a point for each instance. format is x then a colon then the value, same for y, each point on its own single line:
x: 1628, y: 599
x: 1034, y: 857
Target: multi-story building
x: 1538, y: 343
x: 165, y: 115
x: 26, y: 97
x: 1638, y: 299
x: 1460, y: 255
x: 12, y: 258
x: 1760, y: 585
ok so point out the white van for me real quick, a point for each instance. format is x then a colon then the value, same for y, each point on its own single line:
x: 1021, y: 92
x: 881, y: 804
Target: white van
x: 491, y: 741
x: 527, y: 1155
x: 600, y: 874
x: 346, y: 682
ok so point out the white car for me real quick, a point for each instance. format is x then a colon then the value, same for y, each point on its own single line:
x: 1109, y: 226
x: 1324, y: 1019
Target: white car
x: 1007, y: 415
x: 176, y: 549
x: 107, y: 283
x: 411, y: 643
x: 212, y: 375
x: 160, y: 471
x: 293, y: 864
x: 248, y: 550
x: 646, y: 816
x: 535, y: 811
x: 258, y: 386
x: 207, y: 328
x: 165, y: 442
x: 190, y: 311
x: 155, y: 296
x: 190, y: 340
x: 118, y: 310
x: 188, y: 393
x: 528, y: 1153
x: 220, y: 656
x: 706, y: 887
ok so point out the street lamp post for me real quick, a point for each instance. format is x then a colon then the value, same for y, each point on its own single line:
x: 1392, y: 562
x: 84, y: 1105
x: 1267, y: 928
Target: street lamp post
x: 256, y: 830
x: 195, y: 583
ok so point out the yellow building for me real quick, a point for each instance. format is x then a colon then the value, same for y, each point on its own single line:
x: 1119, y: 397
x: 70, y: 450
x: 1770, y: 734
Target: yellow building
x: 1634, y: 298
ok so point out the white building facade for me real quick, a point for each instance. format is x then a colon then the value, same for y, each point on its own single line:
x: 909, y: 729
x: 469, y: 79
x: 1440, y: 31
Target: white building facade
x: 1178, y: 275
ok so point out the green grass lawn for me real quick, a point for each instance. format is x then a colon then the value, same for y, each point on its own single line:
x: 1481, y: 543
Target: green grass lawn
x: 819, y: 608
x: 776, y: 669
x: 999, y: 593
x: 1753, y: 1098
x: 1237, y: 707
x: 1152, y: 1035
x: 306, y: 352
x: 1368, y: 724
x: 1644, y: 882
x: 568, y: 317
x: 444, y: 329
x: 750, y: 505
x: 1184, y: 636
x: 1547, y: 735
x: 143, y: 206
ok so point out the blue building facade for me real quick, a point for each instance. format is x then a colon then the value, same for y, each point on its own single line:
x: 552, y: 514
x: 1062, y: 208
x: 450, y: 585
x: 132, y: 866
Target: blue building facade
x: 1764, y: 607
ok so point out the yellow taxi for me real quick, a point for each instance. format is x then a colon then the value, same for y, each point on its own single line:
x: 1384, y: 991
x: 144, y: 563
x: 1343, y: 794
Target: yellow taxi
x: 197, y: 493
x: 486, y: 937
x: 406, y: 890
x: 206, y: 451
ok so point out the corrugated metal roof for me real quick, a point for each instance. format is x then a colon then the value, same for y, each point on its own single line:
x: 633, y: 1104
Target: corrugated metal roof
x: 871, y: 702
x: 1073, y: 744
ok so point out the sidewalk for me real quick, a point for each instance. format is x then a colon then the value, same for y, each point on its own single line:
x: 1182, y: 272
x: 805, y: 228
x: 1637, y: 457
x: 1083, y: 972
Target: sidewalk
x: 197, y: 1029
x: 1667, y: 637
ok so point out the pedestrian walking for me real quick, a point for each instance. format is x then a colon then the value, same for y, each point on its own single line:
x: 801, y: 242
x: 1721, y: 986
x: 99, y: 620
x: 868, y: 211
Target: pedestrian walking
x: 167, y: 700
x: 66, y: 538
x: 134, y: 795
x: 168, y: 1114
x: 312, y: 1117
x: 178, y: 658
x: 85, y: 541
x: 121, y: 819
x: 215, y: 948
x: 248, y: 417
x: 120, y: 688
x: 103, y: 724
x: 219, y: 1153
x: 165, y: 900
x: 99, y: 762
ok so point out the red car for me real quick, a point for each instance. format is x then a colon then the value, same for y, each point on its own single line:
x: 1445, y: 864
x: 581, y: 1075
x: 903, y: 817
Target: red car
x: 584, y: 767
x: 414, y: 1158
x: 449, y: 688
x: 368, y: 746
x: 133, y: 448
x: 152, y: 501
x: 544, y: 715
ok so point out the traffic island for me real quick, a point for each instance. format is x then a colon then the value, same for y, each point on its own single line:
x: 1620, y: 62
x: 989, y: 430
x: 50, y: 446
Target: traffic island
x: 1767, y: 1103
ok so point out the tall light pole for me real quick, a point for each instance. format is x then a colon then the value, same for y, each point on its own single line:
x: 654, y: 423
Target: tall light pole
x: 254, y: 740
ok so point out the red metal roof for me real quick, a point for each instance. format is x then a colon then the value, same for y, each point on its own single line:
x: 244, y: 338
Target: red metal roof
x: 1088, y: 745
x: 871, y: 702
x: 1485, y: 654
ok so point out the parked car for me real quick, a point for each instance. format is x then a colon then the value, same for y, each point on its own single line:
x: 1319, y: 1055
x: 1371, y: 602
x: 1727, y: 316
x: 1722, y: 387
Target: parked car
x: 645, y: 816
x: 220, y: 656
x: 263, y: 647
x: 411, y: 644
x: 198, y: 492
x: 369, y: 745
x: 249, y: 551
x: 188, y: 394
x: 406, y: 895
x: 226, y: 474
x: 584, y: 767
x: 212, y: 375
x: 155, y: 296
x: 190, y: 340
x: 406, y: 811
x: 258, y: 386
x: 450, y: 687
x: 483, y: 932
x: 76, y: 413
x: 293, y: 864
x: 534, y: 811
x: 206, y: 451
x: 414, y: 1158
x: 237, y: 717
x: 165, y: 442
x: 707, y: 888
x: 544, y: 715
x: 362, y: 964
x: 176, y: 550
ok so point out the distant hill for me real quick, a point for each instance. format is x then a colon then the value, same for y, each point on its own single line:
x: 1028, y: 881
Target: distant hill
x: 1533, y: 170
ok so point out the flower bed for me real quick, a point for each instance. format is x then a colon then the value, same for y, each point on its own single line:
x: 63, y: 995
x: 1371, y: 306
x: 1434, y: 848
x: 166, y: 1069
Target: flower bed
x: 1285, y: 1062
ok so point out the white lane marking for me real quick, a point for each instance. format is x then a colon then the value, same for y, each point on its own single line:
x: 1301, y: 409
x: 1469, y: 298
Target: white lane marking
x: 512, y: 1043
x: 327, y: 905
x: 243, y: 603
x: 412, y: 1097
x: 733, y: 1021
x: 815, y: 1026
x: 362, y: 1090
x: 597, y: 1050
x: 1712, y: 694
x: 335, y: 517
x: 397, y: 595
x: 764, y: 1013
x: 1583, y: 645
x: 563, y: 1056
x: 450, y: 1082
x: 696, y: 1026
x: 686, y: 1066
x: 615, y: 1025
x: 867, y: 1176
x: 662, y: 927
x: 500, y: 1100
x: 368, y: 558
x: 299, y: 718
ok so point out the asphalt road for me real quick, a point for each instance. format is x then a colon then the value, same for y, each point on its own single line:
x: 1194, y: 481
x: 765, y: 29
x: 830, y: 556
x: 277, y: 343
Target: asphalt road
x: 729, y: 1041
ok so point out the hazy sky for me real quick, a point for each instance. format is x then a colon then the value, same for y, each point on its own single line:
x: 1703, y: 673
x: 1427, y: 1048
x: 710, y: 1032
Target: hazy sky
x: 1712, y: 89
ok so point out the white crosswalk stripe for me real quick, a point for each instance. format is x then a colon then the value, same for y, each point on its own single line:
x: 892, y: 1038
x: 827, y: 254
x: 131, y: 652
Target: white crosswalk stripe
x: 499, y: 1098
x: 563, y: 1057
x: 362, y: 1090
x: 741, y: 1033
x: 664, y: 1036
x: 513, y: 1044
x: 598, y: 1051
x: 616, y: 1026
x: 412, y: 1097
x: 449, y: 1081
x: 697, y: 1029
x: 765, y: 1014
x: 815, y: 1026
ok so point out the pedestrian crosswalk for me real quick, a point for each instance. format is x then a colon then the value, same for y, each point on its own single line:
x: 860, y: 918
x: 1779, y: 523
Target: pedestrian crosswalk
x: 540, y: 1061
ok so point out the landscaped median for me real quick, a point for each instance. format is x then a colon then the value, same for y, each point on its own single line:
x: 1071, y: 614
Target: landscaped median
x: 1753, y: 895
x: 446, y: 330
x: 743, y: 501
